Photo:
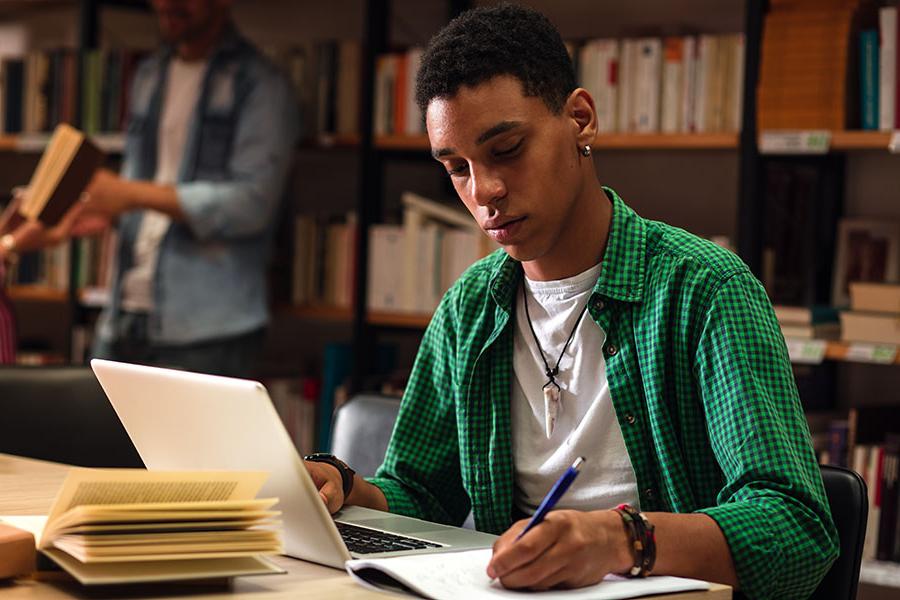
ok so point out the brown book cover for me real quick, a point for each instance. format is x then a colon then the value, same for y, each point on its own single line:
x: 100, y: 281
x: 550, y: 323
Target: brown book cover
x: 65, y: 169
x: 875, y: 297
x: 870, y: 327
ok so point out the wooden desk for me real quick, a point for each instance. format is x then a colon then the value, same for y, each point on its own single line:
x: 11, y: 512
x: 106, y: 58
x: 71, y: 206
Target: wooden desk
x: 28, y: 487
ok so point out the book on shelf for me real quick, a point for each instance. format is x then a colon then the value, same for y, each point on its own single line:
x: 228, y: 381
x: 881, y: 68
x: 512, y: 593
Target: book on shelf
x: 113, y: 526
x: 869, y: 75
x: 324, y: 261
x: 803, y: 80
x: 439, y: 243
x: 808, y: 322
x: 867, y: 440
x: 295, y: 400
x: 396, y: 111
x: 325, y: 76
x: 887, y: 68
x: 874, y: 328
x: 63, y: 172
x: 867, y: 250
x: 792, y: 270
x: 875, y: 297
x: 39, y: 89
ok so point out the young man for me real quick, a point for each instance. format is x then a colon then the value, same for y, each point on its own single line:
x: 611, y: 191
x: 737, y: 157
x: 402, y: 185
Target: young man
x: 595, y: 333
x: 211, y: 132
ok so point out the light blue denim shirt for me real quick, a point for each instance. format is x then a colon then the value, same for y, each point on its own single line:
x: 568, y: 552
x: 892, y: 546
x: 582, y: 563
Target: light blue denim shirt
x: 210, y: 279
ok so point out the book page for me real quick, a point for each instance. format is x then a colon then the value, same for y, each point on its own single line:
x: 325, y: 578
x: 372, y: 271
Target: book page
x: 455, y: 575
x: 134, y: 486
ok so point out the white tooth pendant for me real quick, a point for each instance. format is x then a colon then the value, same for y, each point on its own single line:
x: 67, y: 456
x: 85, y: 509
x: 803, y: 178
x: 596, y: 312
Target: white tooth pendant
x: 551, y: 407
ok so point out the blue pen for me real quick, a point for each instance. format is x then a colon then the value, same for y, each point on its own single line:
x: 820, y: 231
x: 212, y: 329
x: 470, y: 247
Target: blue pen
x: 553, y: 496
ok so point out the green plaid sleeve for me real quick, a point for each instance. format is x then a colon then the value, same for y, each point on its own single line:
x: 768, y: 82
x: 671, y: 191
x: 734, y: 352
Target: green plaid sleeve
x: 772, y: 509
x: 420, y: 475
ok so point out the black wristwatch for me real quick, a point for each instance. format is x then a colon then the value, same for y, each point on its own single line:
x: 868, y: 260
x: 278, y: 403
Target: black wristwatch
x: 346, y: 472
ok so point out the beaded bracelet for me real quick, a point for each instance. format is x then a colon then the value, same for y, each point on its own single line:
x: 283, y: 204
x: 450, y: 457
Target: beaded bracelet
x: 642, y: 539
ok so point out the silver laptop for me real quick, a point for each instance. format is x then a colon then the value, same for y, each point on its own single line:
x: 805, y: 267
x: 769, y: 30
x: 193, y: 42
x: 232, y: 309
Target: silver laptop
x: 180, y: 421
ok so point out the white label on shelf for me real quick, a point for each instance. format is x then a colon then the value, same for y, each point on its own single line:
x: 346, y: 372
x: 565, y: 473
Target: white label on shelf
x: 894, y: 144
x: 872, y: 353
x: 795, y: 142
x: 881, y: 573
x: 806, y: 352
x: 32, y: 142
x: 111, y: 143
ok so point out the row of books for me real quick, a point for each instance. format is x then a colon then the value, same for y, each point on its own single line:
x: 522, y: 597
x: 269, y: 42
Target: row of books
x: 51, y: 267
x: 435, y: 244
x: 326, y: 78
x: 874, y: 317
x: 878, y: 72
x: 324, y: 260
x: 410, y: 265
x: 879, y: 99
x: 295, y: 400
x: 689, y: 84
x: 41, y: 89
x: 868, y: 441
x: 640, y: 85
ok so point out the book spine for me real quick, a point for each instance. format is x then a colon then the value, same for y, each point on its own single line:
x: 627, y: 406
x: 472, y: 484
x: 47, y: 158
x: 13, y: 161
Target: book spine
x: 647, y: 82
x: 868, y: 79
x: 673, y: 73
x: 689, y: 85
x: 889, y: 499
x: 887, y: 89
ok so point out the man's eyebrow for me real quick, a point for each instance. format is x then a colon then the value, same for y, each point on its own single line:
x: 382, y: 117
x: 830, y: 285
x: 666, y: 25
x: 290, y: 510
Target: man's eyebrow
x: 501, y: 127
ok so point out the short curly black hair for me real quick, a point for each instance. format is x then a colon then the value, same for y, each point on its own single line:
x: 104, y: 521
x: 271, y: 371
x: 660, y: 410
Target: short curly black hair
x: 485, y: 42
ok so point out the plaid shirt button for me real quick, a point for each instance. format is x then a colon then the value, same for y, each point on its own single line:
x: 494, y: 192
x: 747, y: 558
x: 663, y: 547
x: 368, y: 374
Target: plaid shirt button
x: 611, y: 350
x: 630, y: 419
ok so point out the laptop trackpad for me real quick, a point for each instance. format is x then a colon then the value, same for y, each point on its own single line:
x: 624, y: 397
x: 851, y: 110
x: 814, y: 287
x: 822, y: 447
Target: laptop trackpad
x: 400, y: 525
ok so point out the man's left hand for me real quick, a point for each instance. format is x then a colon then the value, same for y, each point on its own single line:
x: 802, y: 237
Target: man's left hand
x: 106, y: 195
x: 569, y: 549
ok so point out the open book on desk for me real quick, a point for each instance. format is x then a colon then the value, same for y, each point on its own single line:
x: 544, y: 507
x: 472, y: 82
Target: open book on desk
x: 130, y: 525
x: 455, y: 575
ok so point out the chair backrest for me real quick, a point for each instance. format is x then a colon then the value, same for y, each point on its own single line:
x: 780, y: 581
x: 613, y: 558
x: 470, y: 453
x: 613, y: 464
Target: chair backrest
x: 846, y: 493
x: 61, y: 414
x: 362, y: 429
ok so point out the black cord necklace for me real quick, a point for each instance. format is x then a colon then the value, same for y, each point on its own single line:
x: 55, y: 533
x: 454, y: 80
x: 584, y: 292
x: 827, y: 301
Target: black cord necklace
x: 551, y: 389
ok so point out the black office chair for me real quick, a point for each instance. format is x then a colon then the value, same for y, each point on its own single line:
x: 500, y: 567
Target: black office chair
x: 61, y: 414
x: 846, y: 493
x: 362, y: 429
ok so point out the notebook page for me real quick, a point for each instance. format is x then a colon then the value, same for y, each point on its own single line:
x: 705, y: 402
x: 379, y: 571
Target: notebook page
x: 455, y: 575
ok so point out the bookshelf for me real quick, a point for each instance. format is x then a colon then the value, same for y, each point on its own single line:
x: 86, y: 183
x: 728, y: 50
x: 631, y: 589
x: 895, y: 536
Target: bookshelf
x: 37, y: 293
x: 699, y: 141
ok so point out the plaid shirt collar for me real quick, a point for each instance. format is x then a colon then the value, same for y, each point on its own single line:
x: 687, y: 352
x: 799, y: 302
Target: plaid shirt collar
x: 624, y: 262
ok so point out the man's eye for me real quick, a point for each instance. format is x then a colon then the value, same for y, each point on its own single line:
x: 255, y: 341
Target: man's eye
x: 458, y: 170
x: 510, y: 150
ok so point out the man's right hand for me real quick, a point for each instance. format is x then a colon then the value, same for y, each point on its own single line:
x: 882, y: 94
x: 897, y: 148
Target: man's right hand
x: 328, y: 481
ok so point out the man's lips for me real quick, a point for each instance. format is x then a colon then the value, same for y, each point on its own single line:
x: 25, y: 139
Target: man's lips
x: 503, y: 230
x: 500, y: 222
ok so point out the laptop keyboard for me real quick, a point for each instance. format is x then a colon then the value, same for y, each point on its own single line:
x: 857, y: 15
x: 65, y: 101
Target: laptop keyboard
x: 363, y: 540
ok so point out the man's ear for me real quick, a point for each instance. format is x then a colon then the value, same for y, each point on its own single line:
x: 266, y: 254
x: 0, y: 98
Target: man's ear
x: 580, y: 108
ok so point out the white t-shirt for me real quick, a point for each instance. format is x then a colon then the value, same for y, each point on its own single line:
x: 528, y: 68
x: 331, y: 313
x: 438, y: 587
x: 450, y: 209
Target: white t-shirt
x: 586, y: 425
x: 183, y: 84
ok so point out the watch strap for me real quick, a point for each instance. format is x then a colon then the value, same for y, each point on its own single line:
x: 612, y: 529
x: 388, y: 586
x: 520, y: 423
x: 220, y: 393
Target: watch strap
x: 343, y: 468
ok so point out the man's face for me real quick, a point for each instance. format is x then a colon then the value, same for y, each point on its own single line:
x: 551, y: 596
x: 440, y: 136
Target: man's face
x: 185, y: 20
x: 512, y: 161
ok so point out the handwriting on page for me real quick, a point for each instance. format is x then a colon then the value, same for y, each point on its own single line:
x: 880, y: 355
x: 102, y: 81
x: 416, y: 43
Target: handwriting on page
x: 455, y: 575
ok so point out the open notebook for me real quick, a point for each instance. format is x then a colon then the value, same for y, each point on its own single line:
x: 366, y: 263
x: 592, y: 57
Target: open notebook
x: 455, y: 575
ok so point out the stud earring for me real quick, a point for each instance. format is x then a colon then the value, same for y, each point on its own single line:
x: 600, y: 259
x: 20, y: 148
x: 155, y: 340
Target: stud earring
x: 586, y: 151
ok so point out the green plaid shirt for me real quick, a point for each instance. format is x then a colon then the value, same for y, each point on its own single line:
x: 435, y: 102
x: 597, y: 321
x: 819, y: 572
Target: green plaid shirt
x: 700, y: 380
